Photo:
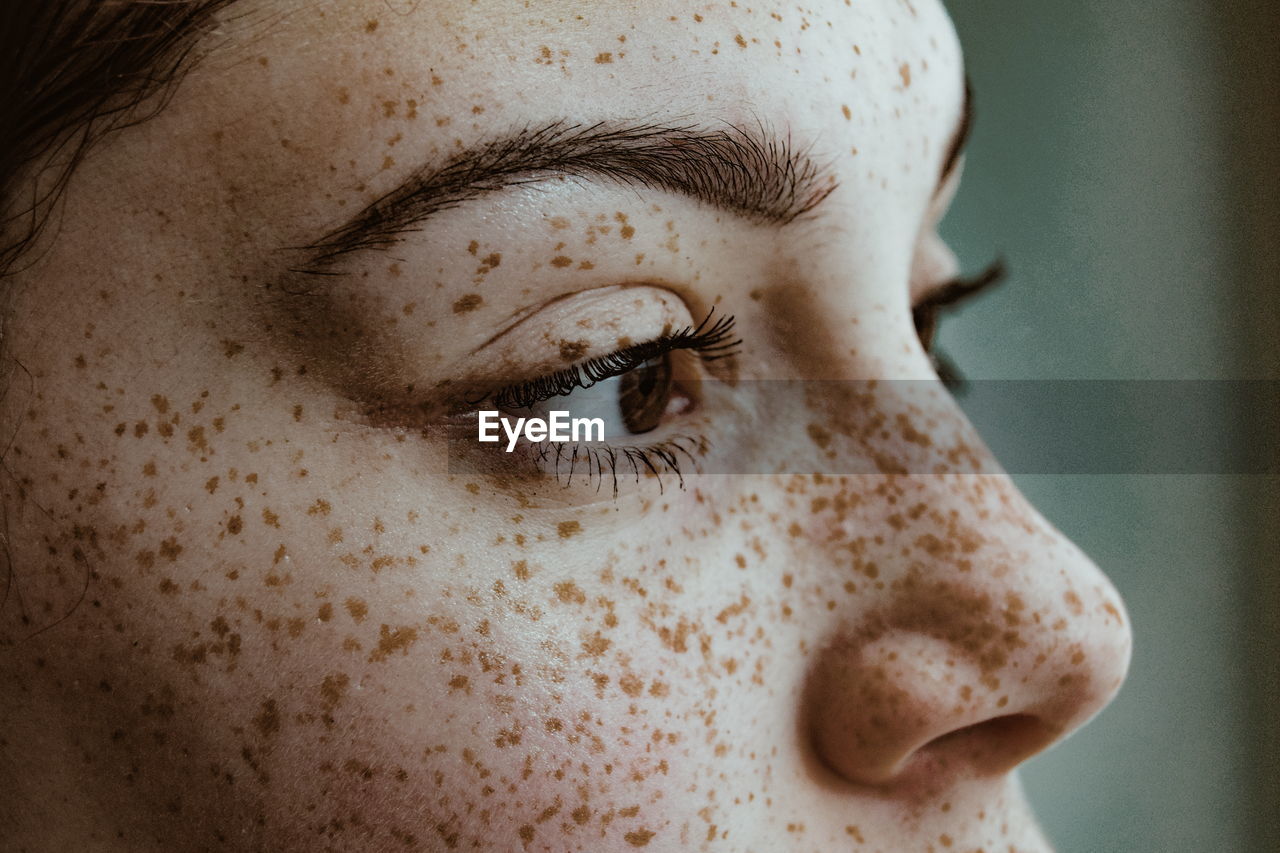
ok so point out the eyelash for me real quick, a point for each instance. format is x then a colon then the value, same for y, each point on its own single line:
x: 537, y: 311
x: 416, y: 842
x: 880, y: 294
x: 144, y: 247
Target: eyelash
x: 924, y: 315
x: 660, y: 458
x: 711, y: 340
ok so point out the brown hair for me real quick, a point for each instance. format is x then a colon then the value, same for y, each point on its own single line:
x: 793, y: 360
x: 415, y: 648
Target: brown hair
x: 72, y: 72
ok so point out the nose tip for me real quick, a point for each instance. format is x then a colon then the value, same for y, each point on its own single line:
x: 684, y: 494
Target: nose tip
x: 950, y: 681
x: 904, y: 703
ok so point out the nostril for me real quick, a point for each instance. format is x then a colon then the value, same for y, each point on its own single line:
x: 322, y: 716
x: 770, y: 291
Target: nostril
x: 996, y: 745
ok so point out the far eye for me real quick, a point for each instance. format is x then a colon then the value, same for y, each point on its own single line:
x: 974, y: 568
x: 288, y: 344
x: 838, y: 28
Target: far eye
x: 925, y: 318
x: 925, y: 315
x: 631, y: 403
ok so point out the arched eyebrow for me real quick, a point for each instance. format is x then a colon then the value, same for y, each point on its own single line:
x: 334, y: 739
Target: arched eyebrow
x: 748, y: 172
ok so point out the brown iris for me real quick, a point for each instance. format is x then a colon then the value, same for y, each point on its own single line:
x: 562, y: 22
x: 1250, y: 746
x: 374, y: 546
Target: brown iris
x: 644, y: 394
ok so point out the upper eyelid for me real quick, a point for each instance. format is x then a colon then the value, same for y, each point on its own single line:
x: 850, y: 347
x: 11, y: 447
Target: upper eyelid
x: 520, y: 315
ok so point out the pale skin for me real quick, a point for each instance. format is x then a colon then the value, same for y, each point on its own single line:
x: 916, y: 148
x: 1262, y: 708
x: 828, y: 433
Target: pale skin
x: 245, y: 614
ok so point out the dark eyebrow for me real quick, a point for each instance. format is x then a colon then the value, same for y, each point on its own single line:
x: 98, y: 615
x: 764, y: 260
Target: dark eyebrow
x: 961, y: 136
x: 750, y: 173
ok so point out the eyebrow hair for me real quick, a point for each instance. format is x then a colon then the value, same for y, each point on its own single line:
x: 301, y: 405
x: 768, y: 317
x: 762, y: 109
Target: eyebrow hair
x: 751, y: 173
x: 960, y: 138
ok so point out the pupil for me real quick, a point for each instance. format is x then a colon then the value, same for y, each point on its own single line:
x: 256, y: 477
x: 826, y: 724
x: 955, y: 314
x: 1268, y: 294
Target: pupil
x: 644, y: 395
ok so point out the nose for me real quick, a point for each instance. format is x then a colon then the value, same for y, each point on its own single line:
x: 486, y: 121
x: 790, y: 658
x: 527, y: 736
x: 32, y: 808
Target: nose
x: 974, y: 636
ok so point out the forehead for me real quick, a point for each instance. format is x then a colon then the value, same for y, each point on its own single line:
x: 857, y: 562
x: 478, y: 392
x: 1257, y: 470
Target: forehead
x: 340, y: 75
x: 670, y: 55
x: 303, y: 112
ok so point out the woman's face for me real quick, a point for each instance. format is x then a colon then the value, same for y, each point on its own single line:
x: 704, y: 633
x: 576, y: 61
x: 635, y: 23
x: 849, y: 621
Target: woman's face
x: 298, y: 614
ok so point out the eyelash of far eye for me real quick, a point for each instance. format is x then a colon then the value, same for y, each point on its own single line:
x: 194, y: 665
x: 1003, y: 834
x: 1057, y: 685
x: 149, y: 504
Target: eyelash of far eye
x: 710, y: 340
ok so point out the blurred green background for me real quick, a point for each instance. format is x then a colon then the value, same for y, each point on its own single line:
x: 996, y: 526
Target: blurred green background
x: 1125, y: 163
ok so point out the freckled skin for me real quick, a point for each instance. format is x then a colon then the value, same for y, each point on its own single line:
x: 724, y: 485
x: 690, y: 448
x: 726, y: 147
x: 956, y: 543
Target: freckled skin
x: 251, y: 605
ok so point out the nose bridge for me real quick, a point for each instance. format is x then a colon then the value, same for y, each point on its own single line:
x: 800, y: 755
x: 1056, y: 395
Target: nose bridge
x: 976, y: 633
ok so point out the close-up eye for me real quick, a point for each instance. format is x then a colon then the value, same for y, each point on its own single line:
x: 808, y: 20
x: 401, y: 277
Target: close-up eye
x: 634, y: 405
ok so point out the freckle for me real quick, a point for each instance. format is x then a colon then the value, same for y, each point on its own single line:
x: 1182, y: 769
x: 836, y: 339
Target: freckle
x: 569, y: 529
x: 904, y: 71
x: 344, y: 97
x: 470, y: 302
x: 604, y: 58
x: 170, y: 549
x: 267, y: 721
x: 234, y: 525
x: 269, y: 518
x: 819, y: 435
x: 357, y: 608
x: 561, y: 261
x: 640, y: 837
x: 370, y: 26
x: 161, y: 403
x: 573, y: 350
x: 526, y: 833
x: 325, y: 613
x: 279, y: 555
x: 195, y: 436
x: 413, y: 109
x: 742, y: 43
x: 387, y: 163
x: 569, y: 592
